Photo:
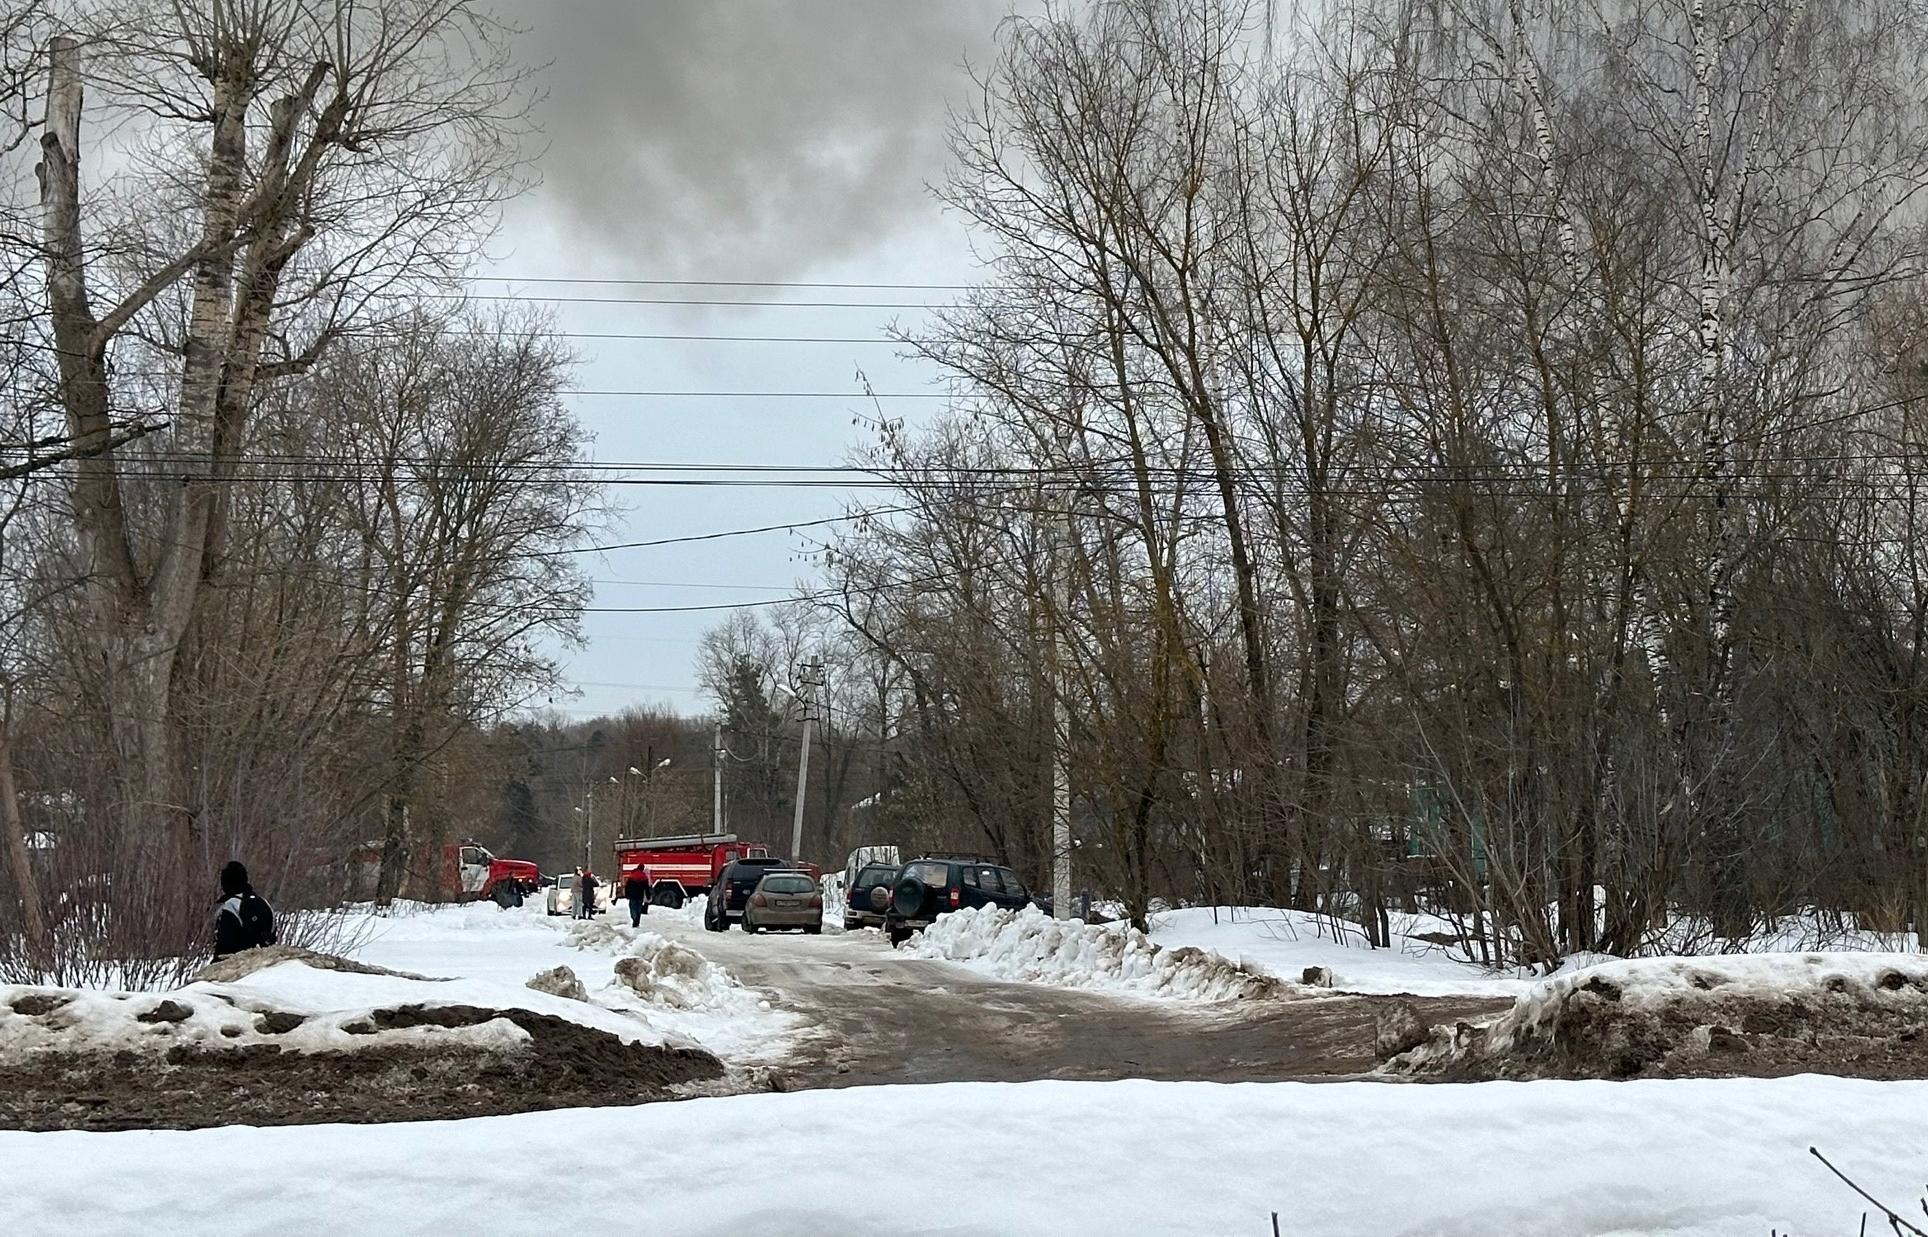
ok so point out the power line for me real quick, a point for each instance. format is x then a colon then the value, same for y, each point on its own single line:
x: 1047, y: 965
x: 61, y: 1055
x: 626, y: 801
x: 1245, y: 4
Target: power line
x: 734, y: 339
x: 738, y: 588
x: 739, y: 303
x: 770, y: 394
x: 721, y: 283
x: 716, y: 536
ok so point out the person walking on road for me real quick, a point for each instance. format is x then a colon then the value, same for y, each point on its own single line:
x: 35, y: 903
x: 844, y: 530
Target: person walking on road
x: 636, y: 890
x: 588, y: 894
x: 244, y: 920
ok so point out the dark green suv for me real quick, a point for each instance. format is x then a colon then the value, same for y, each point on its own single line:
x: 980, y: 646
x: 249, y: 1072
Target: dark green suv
x: 937, y: 884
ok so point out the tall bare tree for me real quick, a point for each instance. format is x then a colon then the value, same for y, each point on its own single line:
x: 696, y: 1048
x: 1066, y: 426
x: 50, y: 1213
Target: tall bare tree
x: 295, y: 162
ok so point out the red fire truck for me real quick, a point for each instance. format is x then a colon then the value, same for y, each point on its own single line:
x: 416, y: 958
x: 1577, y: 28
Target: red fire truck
x: 680, y: 867
x: 459, y: 872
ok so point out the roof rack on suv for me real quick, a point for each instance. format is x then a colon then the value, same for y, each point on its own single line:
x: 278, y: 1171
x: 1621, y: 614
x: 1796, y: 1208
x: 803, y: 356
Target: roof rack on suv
x: 961, y: 857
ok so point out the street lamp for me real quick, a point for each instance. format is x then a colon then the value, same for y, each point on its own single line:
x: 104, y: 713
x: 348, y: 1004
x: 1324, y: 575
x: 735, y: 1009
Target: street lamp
x: 649, y: 790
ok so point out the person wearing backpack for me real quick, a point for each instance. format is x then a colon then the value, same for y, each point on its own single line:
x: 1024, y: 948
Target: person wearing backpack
x: 244, y: 919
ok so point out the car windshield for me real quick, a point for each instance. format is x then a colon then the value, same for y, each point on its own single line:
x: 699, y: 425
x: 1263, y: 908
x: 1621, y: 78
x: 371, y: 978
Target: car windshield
x: 787, y: 884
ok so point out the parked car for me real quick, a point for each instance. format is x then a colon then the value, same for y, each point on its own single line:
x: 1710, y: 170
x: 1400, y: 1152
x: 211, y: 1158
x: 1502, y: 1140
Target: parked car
x: 733, y: 888
x: 560, y: 897
x: 784, y: 900
x: 935, y: 885
x: 868, y: 896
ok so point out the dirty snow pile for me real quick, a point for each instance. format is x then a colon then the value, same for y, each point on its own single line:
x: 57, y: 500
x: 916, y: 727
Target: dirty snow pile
x: 649, y: 976
x: 494, y: 954
x: 216, y: 1016
x: 662, y: 972
x: 1838, y: 1012
x: 1030, y: 945
x: 303, y: 988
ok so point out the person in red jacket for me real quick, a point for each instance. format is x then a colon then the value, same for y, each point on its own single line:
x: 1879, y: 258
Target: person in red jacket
x: 636, y: 890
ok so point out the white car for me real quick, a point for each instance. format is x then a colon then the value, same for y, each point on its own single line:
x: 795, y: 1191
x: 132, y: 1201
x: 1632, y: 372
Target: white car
x: 560, y: 897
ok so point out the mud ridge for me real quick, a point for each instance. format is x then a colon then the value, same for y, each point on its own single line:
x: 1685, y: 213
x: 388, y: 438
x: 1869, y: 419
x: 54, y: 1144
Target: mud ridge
x: 563, y: 1065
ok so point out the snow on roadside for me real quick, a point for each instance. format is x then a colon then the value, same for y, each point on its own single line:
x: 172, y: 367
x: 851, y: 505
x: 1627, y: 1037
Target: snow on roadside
x: 1642, y: 1010
x: 643, y: 988
x: 1030, y: 945
x: 304, y: 989
x: 212, y: 1017
x: 669, y: 982
x: 481, y: 942
x: 1686, y: 1159
x: 663, y: 972
x: 1650, y: 980
x: 1285, y: 942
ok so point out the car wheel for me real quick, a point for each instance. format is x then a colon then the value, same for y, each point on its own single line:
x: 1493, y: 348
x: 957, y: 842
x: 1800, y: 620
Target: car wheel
x: 898, y: 936
x: 814, y: 929
x: 749, y: 927
x: 908, y: 898
x: 850, y: 925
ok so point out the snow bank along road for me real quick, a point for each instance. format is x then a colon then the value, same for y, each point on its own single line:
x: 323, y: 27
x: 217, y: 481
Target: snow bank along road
x: 1120, y: 1158
x: 879, y: 1016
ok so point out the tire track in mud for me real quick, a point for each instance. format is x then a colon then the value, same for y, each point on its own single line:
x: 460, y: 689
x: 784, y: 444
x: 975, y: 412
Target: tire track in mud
x: 881, y: 1018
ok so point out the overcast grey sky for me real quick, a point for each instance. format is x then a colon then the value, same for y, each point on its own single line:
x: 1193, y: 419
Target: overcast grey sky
x: 787, y: 140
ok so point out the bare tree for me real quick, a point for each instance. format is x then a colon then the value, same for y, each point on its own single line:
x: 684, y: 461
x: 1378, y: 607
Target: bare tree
x: 323, y: 154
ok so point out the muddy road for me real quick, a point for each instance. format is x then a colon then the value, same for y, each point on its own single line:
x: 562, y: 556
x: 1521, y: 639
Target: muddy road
x: 881, y: 1017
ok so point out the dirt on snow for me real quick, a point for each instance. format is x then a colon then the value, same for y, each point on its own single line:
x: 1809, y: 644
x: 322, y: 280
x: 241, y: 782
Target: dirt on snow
x: 1595, y: 1029
x: 563, y: 1065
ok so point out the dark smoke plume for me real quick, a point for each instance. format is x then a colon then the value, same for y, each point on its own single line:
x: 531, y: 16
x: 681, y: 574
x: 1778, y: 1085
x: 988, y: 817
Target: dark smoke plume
x: 750, y: 138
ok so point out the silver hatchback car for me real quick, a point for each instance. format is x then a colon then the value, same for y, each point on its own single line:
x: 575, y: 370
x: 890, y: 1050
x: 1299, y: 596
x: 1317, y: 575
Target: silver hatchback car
x: 784, y: 900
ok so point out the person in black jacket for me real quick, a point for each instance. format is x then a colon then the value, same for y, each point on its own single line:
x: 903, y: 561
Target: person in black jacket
x: 244, y: 919
x: 636, y: 890
x: 588, y: 894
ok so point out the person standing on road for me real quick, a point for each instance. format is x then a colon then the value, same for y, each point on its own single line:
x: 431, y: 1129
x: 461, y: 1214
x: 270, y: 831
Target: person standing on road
x: 244, y: 920
x: 575, y: 896
x: 636, y: 890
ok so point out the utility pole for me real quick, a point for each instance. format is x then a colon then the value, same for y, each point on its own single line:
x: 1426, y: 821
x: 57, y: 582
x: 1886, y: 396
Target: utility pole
x: 1061, y: 727
x: 810, y: 677
x: 716, y: 813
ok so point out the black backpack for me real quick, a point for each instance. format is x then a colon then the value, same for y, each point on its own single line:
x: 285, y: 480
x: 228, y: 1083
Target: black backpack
x: 257, y: 919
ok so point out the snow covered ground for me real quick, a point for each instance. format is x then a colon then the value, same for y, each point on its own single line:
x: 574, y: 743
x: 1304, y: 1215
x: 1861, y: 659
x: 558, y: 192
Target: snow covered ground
x: 631, y: 976
x: 641, y: 988
x: 1285, y: 942
x: 1678, y: 1158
